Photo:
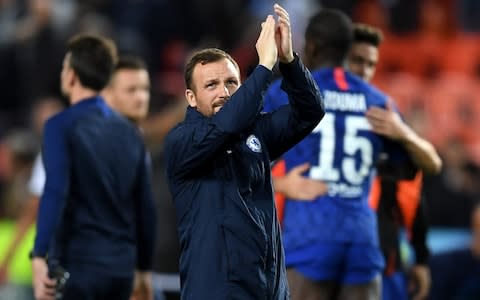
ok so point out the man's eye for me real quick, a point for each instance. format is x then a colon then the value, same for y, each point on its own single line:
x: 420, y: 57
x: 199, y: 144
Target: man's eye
x: 358, y: 60
x: 232, y: 82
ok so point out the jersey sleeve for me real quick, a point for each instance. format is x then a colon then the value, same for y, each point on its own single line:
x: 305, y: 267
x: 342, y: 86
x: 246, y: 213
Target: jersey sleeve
x: 145, y: 216
x: 288, y: 124
x: 56, y: 157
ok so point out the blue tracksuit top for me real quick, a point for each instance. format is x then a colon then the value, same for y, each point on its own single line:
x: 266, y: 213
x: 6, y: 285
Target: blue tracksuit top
x: 219, y: 175
x: 97, y: 208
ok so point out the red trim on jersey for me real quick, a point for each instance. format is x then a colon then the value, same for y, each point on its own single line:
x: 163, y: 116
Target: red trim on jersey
x: 340, y: 80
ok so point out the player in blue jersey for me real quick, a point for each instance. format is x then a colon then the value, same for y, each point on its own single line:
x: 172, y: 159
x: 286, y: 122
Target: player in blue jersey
x: 331, y: 243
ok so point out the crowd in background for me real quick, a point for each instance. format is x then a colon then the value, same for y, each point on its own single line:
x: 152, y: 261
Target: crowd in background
x: 430, y: 64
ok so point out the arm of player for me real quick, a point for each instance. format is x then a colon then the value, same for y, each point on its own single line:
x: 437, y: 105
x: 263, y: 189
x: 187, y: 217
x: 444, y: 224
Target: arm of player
x: 56, y: 160
x: 387, y: 122
x: 146, y: 227
x: 142, y: 286
x: 289, y: 124
x: 145, y: 216
x: 420, y: 278
x: 295, y: 186
x: 43, y: 286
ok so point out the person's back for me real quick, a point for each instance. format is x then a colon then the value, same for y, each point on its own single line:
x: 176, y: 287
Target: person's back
x: 107, y: 157
x: 96, y: 218
x: 341, y: 151
x: 397, y: 202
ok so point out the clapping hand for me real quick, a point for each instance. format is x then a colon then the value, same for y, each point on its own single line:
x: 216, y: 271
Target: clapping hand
x: 283, y: 35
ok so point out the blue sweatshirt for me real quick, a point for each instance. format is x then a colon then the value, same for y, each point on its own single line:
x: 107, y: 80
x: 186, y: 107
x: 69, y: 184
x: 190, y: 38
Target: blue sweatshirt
x: 97, y: 207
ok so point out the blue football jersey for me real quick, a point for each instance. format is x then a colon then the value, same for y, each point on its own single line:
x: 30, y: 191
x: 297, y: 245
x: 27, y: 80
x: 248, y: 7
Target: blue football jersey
x: 342, y: 151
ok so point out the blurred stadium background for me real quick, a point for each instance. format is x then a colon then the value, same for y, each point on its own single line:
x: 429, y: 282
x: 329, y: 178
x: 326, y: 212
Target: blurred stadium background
x: 429, y: 63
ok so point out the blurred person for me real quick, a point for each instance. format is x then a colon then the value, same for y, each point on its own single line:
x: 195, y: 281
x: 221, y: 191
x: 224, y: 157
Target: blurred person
x: 43, y: 109
x: 363, y: 56
x: 167, y: 247
x: 341, y: 259
x: 218, y: 162
x: 128, y: 92
x: 456, y: 273
x: 21, y: 147
x: 96, y: 218
x: 397, y: 203
x: 34, y: 57
x: 450, y: 195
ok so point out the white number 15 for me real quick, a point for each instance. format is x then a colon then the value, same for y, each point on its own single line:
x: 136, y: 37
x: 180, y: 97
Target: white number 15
x: 352, y: 142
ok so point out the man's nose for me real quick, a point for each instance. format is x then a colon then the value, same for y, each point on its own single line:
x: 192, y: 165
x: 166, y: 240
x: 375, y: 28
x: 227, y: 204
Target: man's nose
x: 225, y: 91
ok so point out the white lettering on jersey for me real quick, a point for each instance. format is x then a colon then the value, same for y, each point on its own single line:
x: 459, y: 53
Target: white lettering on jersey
x: 354, y: 102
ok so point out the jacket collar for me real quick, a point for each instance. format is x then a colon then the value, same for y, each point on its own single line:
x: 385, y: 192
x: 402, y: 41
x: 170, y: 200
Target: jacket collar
x: 193, y: 114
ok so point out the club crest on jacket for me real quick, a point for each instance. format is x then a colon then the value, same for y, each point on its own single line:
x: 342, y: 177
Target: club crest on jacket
x: 254, y: 144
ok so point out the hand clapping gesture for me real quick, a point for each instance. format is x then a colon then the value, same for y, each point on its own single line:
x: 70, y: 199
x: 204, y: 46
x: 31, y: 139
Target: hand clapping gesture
x: 283, y: 35
x: 275, y: 40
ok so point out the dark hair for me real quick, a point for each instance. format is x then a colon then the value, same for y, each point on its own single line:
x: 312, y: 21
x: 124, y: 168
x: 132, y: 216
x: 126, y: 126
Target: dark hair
x: 363, y: 33
x: 203, y: 57
x: 130, y: 62
x: 93, y: 59
x: 330, y: 32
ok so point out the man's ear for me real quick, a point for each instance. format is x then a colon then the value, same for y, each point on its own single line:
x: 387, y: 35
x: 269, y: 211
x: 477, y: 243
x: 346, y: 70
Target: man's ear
x: 72, y: 78
x: 190, y: 95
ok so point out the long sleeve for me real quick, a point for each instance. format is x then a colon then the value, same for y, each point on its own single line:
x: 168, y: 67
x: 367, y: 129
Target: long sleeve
x: 289, y: 124
x: 56, y: 159
x: 146, y: 217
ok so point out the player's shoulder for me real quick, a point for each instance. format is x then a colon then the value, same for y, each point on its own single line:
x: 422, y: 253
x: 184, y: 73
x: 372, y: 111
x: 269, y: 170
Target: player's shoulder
x: 180, y: 133
x: 338, y: 80
x: 59, y: 119
x: 359, y: 84
x: 372, y: 93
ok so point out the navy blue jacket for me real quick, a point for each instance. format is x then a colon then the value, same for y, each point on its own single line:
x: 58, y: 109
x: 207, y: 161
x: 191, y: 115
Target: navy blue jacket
x: 219, y: 175
x: 97, y: 207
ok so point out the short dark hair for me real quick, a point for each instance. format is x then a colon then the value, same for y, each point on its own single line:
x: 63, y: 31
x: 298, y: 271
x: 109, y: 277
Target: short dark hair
x: 363, y: 33
x: 330, y: 31
x: 93, y: 59
x: 130, y: 62
x: 203, y: 57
